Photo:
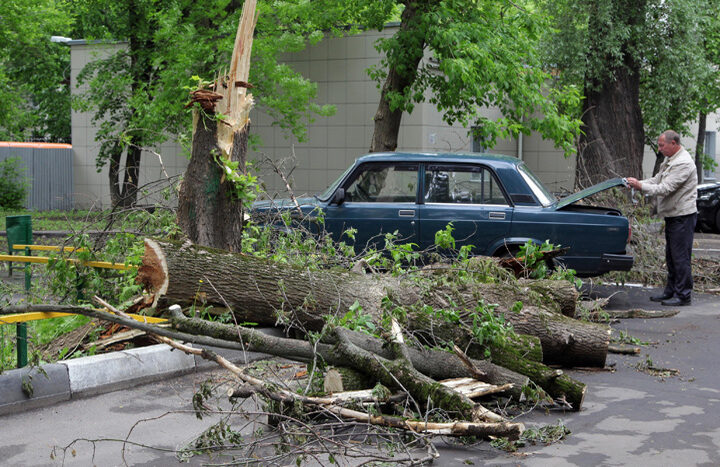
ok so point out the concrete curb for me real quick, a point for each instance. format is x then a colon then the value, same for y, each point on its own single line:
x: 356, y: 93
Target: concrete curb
x: 29, y: 388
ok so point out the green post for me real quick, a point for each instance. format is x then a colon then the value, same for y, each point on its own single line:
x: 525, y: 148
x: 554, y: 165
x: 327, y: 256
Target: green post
x: 19, y: 231
x: 28, y: 273
x: 21, y: 345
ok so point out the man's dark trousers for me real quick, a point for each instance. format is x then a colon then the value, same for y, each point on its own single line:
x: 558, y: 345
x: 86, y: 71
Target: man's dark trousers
x: 678, y: 251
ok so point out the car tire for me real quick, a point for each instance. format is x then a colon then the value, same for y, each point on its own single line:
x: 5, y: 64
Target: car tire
x: 510, y: 251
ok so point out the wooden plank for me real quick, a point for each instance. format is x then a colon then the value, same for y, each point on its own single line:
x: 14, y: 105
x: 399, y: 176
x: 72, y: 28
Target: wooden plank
x: 66, y: 249
x: 24, y: 259
x: 44, y: 260
x: 33, y: 316
x: 37, y: 315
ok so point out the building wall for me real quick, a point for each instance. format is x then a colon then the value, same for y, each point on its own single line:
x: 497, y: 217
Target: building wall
x: 338, y: 66
x: 48, y: 169
x: 91, y: 186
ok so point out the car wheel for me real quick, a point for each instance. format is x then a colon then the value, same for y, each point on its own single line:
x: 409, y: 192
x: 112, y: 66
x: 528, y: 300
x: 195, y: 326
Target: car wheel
x: 509, y: 251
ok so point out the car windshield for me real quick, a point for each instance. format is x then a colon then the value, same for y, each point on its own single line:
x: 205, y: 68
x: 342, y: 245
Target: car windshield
x: 328, y: 192
x: 541, y: 193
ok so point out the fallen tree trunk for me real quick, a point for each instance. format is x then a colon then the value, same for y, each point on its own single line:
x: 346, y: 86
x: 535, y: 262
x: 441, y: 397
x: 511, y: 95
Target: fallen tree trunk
x: 267, y: 293
x: 459, y: 428
x: 433, y: 363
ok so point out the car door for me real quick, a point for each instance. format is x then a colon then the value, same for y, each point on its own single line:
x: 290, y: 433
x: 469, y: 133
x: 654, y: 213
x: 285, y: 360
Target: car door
x: 470, y: 197
x: 380, y: 198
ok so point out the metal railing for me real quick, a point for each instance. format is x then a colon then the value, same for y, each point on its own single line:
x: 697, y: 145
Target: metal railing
x: 21, y: 319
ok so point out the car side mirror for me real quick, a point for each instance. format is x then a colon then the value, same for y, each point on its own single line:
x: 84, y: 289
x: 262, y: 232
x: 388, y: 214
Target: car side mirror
x: 339, y: 197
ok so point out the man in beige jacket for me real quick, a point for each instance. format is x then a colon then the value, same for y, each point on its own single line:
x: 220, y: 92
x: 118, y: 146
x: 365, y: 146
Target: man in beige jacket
x: 675, y: 186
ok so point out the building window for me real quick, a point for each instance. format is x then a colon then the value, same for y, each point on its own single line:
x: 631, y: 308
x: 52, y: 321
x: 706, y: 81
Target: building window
x: 709, y: 148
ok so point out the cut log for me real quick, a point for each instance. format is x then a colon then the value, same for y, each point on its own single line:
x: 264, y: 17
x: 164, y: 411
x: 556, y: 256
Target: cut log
x: 260, y: 291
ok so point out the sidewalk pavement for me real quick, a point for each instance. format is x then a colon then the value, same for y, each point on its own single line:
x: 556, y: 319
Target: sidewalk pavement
x: 32, y: 387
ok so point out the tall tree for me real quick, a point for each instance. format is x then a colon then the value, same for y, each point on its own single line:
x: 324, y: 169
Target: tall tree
x: 464, y: 56
x: 641, y: 70
x: 710, y: 97
x: 34, y: 72
x: 137, y: 94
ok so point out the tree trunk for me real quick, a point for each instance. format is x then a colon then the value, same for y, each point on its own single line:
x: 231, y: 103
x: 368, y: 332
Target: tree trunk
x: 700, y: 146
x: 612, y: 142
x: 401, y: 74
x: 613, y: 138
x: 131, y: 172
x: 124, y: 180
x: 210, y: 210
x: 114, y: 175
x: 264, y: 292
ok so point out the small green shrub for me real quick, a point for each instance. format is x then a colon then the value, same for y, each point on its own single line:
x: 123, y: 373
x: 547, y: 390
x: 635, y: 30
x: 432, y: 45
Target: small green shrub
x: 14, y: 184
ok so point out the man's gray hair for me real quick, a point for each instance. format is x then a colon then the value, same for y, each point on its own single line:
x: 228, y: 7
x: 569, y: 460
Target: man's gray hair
x: 671, y: 135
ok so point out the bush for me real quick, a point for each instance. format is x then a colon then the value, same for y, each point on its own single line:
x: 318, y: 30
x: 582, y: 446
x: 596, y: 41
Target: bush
x: 13, y: 184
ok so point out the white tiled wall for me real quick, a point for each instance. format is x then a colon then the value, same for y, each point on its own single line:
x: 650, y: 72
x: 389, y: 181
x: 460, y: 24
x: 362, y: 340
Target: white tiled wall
x: 338, y: 66
x: 92, y: 187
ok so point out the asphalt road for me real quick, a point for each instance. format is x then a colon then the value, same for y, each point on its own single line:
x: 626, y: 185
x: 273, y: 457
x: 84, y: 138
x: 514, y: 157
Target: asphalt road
x: 629, y: 417
x: 706, y: 245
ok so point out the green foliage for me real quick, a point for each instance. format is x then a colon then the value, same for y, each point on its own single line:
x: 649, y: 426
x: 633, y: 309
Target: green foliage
x: 356, y: 320
x: 625, y: 338
x: 137, y: 93
x: 444, y: 238
x: 13, y: 183
x: 533, y: 258
x: 396, y: 258
x: 489, y: 328
x: 76, y: 282
x: 72, y: 281
x: 671, y: 44
x: 245, y: 184
x: 483, y: 54
x: 286, y: 240
x: 34, y: 72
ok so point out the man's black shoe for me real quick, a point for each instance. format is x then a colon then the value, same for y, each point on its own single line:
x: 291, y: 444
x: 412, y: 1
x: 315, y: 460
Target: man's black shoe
x: 677, y: 302
x: 660, y: 298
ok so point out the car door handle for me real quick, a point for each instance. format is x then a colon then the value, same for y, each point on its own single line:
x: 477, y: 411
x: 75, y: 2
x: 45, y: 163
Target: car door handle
x: 406, y: 213
x: 497, y: 215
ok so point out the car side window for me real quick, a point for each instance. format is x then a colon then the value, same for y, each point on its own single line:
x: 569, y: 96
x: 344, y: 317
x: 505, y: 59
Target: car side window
x: 384, y: 183
x: 462, y: 184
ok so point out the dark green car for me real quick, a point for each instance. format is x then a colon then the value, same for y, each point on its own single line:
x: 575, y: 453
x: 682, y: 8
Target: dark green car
x: 494, y: 202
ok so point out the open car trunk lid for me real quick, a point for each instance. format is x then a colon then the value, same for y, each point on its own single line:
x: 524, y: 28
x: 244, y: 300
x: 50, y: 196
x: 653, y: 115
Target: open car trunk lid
x: 575, y: 197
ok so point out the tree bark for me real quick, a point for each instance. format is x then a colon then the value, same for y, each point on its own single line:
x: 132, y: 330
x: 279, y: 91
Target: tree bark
x: 700, y: 146
x: 613, y: 139
x: 401, y: 74
x: 263, y: 292
x: 210, y: 212
x: 612, y: 142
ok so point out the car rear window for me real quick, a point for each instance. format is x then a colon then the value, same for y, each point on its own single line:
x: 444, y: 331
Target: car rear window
x: 541, y: 193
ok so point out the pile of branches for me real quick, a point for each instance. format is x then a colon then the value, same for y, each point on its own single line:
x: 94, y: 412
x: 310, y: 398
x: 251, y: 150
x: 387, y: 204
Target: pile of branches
x: 415, y: 352
x: 647, y: 245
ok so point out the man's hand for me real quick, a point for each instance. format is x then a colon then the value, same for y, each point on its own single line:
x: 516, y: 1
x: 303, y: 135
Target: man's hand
x: 634, y: 183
